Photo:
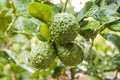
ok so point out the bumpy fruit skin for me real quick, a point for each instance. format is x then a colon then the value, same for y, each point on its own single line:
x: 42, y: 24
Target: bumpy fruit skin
x: 70, y: 54
x: 63, y: 28
x: 42, y: 55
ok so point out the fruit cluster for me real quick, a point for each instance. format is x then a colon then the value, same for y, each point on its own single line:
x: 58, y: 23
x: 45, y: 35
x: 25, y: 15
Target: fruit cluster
x: 63, y: 28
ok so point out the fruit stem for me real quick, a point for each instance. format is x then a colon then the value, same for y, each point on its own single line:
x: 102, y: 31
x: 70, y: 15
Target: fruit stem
x: 72, y: 74
x: 65, y: 5
x: 90, y: 50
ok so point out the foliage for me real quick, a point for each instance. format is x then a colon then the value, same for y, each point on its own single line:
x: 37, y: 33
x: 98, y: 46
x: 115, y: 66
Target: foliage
x: 23, y: 23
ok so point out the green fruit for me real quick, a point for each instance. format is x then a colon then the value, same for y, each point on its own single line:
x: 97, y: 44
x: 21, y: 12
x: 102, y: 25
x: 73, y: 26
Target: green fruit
x: 63, y: 28
x: 70, y: 54
x: 42, y: 55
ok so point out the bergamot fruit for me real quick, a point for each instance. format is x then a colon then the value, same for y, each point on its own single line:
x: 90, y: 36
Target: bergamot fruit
x: 42, y: 55
x: 70, y: 54
x: 63, y: 28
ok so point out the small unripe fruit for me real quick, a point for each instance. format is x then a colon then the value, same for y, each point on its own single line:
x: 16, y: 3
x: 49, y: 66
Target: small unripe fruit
x: 70, y: 54
x: 63, y: 28
x: 42, y: 55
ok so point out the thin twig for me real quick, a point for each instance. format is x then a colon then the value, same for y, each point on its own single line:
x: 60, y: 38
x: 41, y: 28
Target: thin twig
x: 65, y: 5
x: 90, y: 51
x: 10, y: 25
x: 102, y: 27
x: 72, y: 74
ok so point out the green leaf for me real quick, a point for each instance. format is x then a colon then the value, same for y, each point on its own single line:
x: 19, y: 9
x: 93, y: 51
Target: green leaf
x: 26, y: 25
x: 54, y: 8
x: 45, y: 32
x: 40, y: 11
x: 116, y: 60
x: 36, y: 74
x: 5, y: 20
x: 92, y: 25
x: 60, y: 6
x: 87, y: 34
x: 4, y: 55
x: 4, y: 58
x: 107, y: 10
x: 44, y: 73
x: 115, y: 39
x: 93, y: 10
x: 107, y: 15
x: 1, y: 39
x: 93, y: 78
x: 36, y: 21
x: 19, y: 38
x: 89, y: 10
x: 113, y: 1
x: 40, y: 37
x: 21, y: 6
x: 118, y: 10
x: 115, y: 26
x: 113, y: 6
x: 57, y: 71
